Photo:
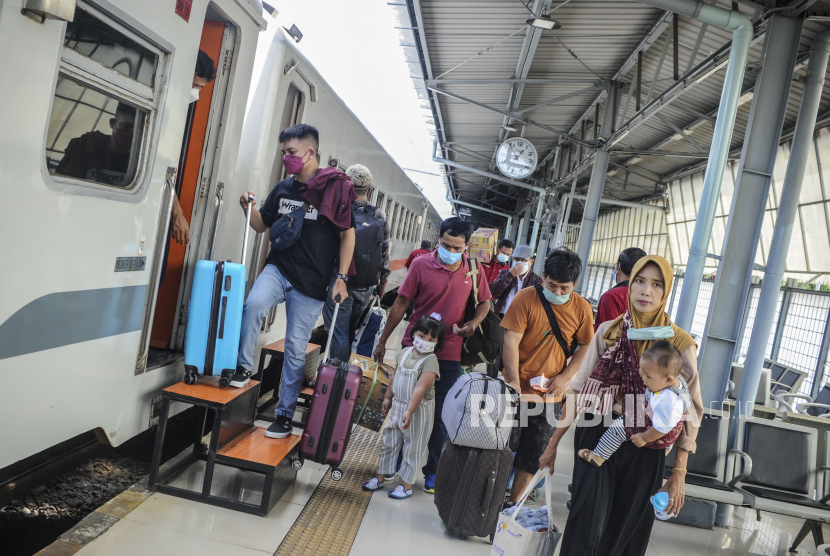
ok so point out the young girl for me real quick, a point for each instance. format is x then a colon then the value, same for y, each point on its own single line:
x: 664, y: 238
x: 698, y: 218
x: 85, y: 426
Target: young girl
x: 411, y: 397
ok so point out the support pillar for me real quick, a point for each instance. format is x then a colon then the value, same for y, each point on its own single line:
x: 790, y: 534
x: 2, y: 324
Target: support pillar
x: 524, y: 225
x: 595, y: 187
x: 537, y: 221
x: 742, y: 33
x: 790, y: 194
x: 746, y: 216
x: 560, y: 221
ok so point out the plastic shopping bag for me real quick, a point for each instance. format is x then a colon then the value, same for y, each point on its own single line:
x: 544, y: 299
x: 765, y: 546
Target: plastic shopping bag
x: 371, y: 328
x: 511, y: 539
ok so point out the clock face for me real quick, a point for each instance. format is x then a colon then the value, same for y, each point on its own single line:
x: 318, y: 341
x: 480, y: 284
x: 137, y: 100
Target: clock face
x: 516, y: 157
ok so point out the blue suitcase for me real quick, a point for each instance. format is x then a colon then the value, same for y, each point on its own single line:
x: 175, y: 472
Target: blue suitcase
x: 214, y: 319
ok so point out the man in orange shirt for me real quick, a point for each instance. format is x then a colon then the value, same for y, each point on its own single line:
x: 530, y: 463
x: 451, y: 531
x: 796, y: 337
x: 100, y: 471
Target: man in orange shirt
x: 544, y: 327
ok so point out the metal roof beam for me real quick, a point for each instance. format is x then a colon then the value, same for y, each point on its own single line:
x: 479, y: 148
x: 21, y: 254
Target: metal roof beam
x: 629, y: 152
x: 616, y: 202
x: 645, y: 43
x: 704, y: 70
x: 557, y: 99
x: 517, y: 117
x: 513, y: 81
x: 486, y: 174
x: 637, y: 172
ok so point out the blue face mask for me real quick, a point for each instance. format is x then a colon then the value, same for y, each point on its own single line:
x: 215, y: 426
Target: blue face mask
x: 502, y: 258
x: 447, y: 257
x: 557, y: 299
x: 652, y: 333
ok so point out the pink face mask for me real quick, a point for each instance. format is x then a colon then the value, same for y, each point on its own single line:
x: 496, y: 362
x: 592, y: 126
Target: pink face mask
x: 293, y: 164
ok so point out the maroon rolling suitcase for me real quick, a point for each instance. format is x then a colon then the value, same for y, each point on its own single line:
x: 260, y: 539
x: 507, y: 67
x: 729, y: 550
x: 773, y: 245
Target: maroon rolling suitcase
x: 330, y: 418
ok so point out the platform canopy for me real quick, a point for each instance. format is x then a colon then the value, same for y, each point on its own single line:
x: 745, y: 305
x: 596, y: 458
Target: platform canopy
x: 480, y: 67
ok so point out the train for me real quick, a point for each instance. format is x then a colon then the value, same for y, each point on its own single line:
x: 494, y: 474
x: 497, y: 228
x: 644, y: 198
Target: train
x: 95, y: 293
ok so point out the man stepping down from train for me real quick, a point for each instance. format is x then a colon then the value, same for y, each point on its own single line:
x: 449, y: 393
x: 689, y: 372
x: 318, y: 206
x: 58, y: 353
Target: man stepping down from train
x: 371, y: 259
x: 298, y: 275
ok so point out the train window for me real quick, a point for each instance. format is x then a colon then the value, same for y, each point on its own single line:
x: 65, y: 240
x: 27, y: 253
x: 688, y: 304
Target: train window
x: 103, y: 105
x: 379, y: 201
x: 92, y: 136
x: 95, y: 39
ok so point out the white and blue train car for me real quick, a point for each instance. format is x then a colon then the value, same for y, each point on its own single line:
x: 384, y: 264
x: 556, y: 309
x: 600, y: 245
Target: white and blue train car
x: 99, y: 138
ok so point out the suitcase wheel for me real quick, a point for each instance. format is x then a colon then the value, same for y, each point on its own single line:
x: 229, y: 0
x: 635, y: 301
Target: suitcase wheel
x: 296, y: 464
x: 189, y: 378
x: 336, y: 474
x: 224, y: 382
x: 462, y: 535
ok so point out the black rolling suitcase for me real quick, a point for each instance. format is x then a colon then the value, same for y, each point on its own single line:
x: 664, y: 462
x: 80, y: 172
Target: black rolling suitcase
x: 469, y: 488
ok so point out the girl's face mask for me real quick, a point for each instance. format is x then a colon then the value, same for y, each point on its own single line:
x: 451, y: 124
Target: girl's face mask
x: 422, y: 345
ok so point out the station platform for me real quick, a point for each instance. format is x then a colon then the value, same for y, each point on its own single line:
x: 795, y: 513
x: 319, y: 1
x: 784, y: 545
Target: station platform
x: 318, y: 516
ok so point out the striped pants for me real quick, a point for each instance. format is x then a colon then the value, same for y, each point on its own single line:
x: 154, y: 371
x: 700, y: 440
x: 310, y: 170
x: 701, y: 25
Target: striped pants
x: 412, y: 442
x: 611, y: 439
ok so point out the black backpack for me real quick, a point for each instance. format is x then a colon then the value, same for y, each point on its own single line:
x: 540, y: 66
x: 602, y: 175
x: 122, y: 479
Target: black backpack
x: 368, y: 247
x: 485, y: 344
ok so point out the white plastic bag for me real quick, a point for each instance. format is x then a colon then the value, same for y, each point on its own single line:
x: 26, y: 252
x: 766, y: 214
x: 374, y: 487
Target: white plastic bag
x: 511, y: 539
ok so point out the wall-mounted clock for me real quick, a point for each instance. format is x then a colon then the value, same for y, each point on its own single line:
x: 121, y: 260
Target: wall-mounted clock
x: 517, y: 158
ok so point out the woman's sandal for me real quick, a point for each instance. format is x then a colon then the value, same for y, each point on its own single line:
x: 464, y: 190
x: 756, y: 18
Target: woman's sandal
x: 591, y: 457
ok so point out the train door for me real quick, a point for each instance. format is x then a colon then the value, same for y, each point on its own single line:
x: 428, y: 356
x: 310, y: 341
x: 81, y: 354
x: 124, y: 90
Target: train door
x: 292, y: 114
x: 200, y: 200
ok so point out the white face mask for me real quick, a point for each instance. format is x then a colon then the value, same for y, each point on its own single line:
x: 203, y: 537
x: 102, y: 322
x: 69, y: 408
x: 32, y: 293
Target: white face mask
x: 422, y: 345
x: 194, y: 95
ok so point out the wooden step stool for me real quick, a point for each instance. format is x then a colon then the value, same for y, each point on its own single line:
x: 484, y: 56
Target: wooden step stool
x: 270, y: 376
x: 234, y: 442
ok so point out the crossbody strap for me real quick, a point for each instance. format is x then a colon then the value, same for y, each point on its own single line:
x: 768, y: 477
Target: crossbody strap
x: 474, y: 275
x: 554, y: 325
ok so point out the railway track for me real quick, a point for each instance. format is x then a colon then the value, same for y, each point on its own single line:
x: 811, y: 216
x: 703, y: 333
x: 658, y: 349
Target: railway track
x: 42, y: 500
x: 31, y: 479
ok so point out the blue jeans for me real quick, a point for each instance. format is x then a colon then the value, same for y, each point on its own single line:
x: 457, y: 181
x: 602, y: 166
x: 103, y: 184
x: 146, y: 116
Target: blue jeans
x: 301, y: 312
x: 449, y: 374
x: 348, y: 320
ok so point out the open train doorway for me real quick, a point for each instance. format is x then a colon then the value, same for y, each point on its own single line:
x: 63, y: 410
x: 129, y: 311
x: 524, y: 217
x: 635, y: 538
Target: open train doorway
x: 200, y: 151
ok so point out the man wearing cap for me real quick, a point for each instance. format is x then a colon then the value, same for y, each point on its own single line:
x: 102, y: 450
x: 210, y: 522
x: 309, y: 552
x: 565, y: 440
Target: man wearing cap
x: 506, y: 284
x: 370, y: 223
x: 514, y: 278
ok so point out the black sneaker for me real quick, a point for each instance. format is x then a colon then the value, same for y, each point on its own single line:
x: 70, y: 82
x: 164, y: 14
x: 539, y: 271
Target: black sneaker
x: 240, y: 378
x: 280, y: 428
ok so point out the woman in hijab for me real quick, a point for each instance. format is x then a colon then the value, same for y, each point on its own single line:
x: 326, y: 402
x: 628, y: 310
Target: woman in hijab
x: 611, y: 514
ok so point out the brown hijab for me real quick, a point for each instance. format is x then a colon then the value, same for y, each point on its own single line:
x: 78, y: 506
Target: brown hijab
x: 682, y: 340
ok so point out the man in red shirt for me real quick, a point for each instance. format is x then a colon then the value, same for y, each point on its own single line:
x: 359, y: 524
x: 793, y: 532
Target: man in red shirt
x: 440, y: 283
x: 614, y: 302
x: 426, y: 245
x: 499, y: 263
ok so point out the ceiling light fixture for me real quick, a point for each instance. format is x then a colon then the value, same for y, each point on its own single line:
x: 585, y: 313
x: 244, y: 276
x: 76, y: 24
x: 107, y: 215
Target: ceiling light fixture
x: 543, y: 22
x: 509, y: 128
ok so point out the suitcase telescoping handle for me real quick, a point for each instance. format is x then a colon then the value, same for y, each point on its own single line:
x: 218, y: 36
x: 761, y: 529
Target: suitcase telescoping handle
x: 247, y: 225
x: 331, y: 327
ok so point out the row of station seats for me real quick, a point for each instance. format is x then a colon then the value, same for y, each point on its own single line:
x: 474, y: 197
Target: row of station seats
x: 774, y: 468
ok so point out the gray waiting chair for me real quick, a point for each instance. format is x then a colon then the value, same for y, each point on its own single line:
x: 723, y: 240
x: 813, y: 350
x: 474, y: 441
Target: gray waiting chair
x: 801, y: 403
x: 784, y: 378
x: 783, y: 478
x: 707, y: 466
x: 811, y: 525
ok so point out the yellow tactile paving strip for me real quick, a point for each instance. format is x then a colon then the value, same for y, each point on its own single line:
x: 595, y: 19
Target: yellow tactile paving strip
x: 329, y: 522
